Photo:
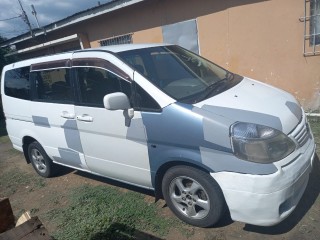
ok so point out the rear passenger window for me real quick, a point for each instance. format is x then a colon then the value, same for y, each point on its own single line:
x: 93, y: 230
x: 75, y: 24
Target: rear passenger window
x: 16, y: 83
x: 53, y: 85
x: 95, y: 83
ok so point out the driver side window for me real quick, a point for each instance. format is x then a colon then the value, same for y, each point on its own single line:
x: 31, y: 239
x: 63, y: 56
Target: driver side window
x: 94, y: 83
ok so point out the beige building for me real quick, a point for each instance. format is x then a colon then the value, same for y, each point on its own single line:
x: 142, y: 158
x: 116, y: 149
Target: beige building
x: 274, y: 41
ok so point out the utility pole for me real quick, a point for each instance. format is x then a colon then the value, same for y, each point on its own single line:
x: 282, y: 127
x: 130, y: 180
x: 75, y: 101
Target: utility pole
x: 25, y: 18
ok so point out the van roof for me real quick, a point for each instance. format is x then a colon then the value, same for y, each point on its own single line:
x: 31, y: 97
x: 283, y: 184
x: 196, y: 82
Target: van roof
x: 112, y: 48
x: 124, y: 47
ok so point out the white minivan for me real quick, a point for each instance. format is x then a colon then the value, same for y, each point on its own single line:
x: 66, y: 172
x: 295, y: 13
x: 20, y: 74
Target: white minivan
x: 163, y: 118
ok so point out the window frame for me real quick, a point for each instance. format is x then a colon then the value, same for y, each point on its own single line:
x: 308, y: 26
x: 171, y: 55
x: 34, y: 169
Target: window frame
x: 30, y: 84
x: 111, y: 68
x: 47, y: 66
x: 95, y: 63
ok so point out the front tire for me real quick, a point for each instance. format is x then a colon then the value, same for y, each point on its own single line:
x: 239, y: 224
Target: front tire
x: 193, y: 195
x: 40, y: 160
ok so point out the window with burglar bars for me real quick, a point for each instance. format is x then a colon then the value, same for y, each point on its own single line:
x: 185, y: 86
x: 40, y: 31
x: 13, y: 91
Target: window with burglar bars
x: 311, y: 20
x: 123, y: 39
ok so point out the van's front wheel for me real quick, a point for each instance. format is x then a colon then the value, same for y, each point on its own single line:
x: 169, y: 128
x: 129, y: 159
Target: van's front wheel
x: 193, y: 196
x: 40, y: 160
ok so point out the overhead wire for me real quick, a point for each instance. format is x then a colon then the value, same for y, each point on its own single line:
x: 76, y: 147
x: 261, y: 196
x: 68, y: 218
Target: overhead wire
x: 1, y: 20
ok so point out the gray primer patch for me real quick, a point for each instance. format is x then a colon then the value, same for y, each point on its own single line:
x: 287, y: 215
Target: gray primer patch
x: 246, y: 116
x: 220, y: 161
x: 215, y: 128
x: 177, y: 134
x: 295, y: 109
x: 69, y: 157
x: 41, y: 121
x: 72, y: 135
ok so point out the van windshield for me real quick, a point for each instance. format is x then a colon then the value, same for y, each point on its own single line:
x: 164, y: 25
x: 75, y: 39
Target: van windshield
x: 181, y: 74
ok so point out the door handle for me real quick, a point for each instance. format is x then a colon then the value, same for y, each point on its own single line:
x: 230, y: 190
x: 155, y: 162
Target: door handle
x: 67, y: 115
x: 85, y: 118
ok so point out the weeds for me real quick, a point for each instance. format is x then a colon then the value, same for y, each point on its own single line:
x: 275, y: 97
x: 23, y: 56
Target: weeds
x: 4, y: 139
x: 103, y: 212
x: 315, y: 126
x: 15, y: 179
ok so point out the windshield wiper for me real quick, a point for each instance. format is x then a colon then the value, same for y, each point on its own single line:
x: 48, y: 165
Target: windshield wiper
x: 215, y: 87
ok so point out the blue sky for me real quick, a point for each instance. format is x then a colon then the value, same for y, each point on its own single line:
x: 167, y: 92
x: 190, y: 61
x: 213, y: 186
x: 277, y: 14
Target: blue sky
x: 48, y: 11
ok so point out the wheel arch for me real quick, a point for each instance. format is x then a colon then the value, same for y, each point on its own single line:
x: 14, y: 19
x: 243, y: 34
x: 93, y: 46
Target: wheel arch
x: 26, y: 140
x: 158, y: 177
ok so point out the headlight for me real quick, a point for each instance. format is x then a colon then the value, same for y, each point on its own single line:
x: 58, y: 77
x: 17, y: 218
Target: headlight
x: 261, y: 144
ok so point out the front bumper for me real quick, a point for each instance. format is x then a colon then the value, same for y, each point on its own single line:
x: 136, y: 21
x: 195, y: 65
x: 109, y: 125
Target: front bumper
x: 266, y: 200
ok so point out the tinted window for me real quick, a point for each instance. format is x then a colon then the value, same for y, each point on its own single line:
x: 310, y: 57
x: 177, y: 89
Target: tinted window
x: 181, y: 74
x: 53, y: 85
x: 143, y: 101
x: 16, y: 83
x: 95, y: 83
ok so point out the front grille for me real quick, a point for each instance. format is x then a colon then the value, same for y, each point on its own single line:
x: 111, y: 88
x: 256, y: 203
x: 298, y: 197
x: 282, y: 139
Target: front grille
x: 302, y: 133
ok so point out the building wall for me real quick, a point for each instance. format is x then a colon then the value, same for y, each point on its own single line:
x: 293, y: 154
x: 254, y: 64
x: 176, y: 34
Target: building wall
x: 261, y: 39
x: 264, y: 41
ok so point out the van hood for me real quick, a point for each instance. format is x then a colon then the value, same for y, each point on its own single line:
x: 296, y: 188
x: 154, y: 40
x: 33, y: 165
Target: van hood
x: 256, y: 102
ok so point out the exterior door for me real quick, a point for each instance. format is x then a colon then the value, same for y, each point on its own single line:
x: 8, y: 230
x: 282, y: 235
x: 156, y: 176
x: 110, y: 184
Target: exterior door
x: 53, y: 113
x: 113, y: 144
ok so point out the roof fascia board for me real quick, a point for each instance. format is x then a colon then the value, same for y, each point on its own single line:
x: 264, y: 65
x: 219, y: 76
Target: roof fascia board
x: 91, y: 13
x: 46, y: 44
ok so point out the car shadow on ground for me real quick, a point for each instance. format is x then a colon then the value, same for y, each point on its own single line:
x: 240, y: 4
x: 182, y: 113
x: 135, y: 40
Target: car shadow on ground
x: 306, y: 202
x: 62, y: 171
x: 3, y: 131
x: 122, y: 231
x: 115, y: 183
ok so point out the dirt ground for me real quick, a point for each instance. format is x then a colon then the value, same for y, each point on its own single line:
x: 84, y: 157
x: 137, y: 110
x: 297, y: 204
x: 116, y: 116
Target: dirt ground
x: 42, y: 195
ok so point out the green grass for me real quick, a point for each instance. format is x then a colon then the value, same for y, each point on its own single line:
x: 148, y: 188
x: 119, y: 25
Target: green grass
x: 3, y: 132
x: 315, y: 126
x: 102, y: 212
x: 15, y: 179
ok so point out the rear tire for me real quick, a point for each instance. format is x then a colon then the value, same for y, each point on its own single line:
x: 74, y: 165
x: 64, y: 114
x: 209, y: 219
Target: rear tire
x: 40, y: 160
x: 193, y: 195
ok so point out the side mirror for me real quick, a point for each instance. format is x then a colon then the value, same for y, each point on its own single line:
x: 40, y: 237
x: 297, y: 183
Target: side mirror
x: 116, y: 101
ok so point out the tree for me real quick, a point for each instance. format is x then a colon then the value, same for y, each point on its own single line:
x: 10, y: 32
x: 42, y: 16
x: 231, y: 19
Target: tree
x: 3, y: 51
x: 4, y: 61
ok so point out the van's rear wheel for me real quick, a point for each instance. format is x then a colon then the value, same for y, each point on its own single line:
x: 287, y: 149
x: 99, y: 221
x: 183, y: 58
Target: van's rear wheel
x: 193, y: 195
x: 40, y: 160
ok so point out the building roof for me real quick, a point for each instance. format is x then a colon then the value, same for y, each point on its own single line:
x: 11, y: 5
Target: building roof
x: 73, y: 19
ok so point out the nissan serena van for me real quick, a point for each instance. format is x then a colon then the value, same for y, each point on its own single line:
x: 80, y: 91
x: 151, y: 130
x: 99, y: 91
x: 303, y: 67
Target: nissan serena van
x: 163, y: 118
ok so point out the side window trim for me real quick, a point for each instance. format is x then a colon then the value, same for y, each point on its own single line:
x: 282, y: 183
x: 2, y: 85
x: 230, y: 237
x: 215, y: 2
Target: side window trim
x: 100, y: 63
x: 47, y: 66
x: 64, y: 63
